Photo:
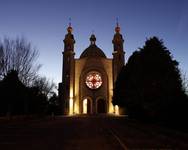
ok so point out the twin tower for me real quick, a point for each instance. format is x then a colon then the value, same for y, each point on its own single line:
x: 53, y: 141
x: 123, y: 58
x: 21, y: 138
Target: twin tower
x: 88, y: 82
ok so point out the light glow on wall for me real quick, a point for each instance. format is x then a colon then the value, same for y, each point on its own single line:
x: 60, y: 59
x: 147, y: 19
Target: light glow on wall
x: 85, y: 106
x: 111, y: 108
x: 76, y: 110
x: 71, y: 106
x: 116, y: 109
x: 71, y: 92
x: 71, y: 102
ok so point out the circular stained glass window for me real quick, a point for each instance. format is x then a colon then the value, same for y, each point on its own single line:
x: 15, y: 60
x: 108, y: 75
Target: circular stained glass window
x: 93, y: 80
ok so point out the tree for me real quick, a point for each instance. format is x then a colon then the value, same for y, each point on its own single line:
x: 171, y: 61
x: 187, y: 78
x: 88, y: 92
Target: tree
x: 40, y: 91
x: 13, y: 94
x: 150, y: 85
x: 18, y: 55
x: 37, y: 101
x: 23, y: 91
x: 44, y: 85
x: 17, y: 99
x: 185, y: 83
x: 1, y: 61
x: 53, y: 104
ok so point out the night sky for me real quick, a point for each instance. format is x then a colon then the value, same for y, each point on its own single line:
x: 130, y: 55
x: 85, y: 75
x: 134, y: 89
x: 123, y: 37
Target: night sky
x: 44, y: 23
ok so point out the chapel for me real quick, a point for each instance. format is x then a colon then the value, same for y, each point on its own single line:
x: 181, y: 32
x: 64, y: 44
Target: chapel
x: 88, y: 81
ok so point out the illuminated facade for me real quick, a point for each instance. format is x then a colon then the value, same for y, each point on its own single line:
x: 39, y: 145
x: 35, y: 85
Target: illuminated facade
x: 88, y: 81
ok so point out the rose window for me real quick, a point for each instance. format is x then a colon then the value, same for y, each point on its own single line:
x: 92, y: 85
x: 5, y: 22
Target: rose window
x: 93, y: 80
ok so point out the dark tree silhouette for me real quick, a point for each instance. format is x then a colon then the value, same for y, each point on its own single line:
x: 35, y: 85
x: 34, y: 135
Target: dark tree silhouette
x: 53, y: 107
x: 1, y: 61
x: 17, y: 99
x: 37, y: 101
x: 44, y: 85
x: 13, y: 94
x: 185, y: 83
x: 19, y: 55
x: 22, y: 90
x: 150, y: 85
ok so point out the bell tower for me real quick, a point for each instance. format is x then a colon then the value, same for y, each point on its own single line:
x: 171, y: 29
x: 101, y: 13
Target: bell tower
x: 118, y: 53
x: 68, y: 73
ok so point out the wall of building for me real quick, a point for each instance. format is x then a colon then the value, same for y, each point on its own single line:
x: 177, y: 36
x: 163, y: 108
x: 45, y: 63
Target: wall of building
x: 82, y: 67
x: 79, y: 64
x: 108, y: 68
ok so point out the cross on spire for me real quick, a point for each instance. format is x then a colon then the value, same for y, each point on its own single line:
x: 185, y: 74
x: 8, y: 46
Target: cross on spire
x: 69, y: 29
x: 117, y: 22
x: 117, y: 28
x: 70, y: 22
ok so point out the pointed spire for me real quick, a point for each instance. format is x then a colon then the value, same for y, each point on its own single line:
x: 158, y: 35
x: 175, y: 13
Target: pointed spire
x: 69, y: 29
x: 117, y: 28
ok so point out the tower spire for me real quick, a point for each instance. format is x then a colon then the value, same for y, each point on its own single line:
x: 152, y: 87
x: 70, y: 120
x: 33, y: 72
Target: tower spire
x: 69, y: 22
x: 69, y: 38
x: 117, y: 22
x: 118, y: 54
x: 117, y: 28
x: 69, y: 29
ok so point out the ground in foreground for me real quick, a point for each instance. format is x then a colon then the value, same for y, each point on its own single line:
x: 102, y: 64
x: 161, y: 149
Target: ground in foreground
x: 87, y: 132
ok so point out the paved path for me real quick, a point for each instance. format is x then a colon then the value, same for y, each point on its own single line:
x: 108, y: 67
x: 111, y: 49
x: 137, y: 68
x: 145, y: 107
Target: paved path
x: 87, y: 133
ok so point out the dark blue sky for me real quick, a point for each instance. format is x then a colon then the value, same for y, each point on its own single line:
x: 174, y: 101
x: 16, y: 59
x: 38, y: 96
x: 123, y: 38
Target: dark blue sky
x: 44, y: 23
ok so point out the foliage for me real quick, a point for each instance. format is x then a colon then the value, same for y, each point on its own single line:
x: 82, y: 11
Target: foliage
x: 22, y: 90
x: 53, y: 104
x: 17, y: 99
x: 18, y: 54
x: 185, y: 83
x: 45, y: 85
x: 13, y: 94
x: 37, y: 101
x: 150, y: 85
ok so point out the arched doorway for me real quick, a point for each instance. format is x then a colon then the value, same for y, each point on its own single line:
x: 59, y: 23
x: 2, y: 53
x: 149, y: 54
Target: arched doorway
x: 101, y: 106
x: 86, y: 106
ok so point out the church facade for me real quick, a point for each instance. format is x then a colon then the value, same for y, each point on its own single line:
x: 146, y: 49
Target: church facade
x: 88, y: 81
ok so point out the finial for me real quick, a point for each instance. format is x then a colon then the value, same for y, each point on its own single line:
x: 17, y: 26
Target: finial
x: 93, y: 39
x: 69, y: 29
x: 117, y: 28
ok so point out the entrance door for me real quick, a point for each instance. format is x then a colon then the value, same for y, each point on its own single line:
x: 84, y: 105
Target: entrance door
x: 101, y: 106
x: 86, y: 106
